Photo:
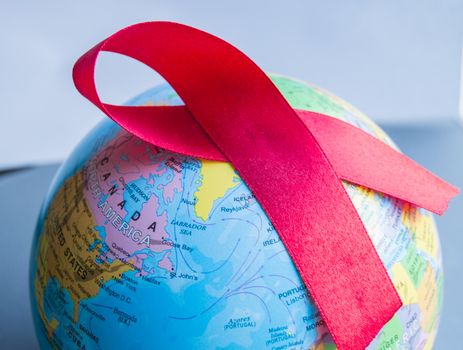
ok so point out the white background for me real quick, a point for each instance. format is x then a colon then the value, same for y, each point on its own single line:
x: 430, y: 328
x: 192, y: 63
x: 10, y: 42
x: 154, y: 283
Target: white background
x: 399, y: 61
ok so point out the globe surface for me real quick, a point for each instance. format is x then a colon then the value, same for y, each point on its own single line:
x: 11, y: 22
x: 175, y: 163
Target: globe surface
x: 140, y: 248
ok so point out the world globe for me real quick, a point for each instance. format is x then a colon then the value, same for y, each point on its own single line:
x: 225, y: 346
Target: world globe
x: 137, y: 247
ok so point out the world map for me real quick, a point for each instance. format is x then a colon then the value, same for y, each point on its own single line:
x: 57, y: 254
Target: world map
x: 140, y: 248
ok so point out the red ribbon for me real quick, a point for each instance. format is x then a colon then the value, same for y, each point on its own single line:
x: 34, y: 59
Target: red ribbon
x: 293, y: 162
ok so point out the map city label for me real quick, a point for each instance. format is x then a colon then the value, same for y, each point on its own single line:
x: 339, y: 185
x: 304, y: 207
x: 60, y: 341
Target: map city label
x: 242, y: 322
x: 293, y: 295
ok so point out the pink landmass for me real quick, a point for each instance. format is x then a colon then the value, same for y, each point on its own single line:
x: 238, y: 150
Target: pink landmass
x: 123, y: 160
x: 165, y: 263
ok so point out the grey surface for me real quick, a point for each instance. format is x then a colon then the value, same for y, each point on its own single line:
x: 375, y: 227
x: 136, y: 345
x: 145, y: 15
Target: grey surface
x: 378, y: 55
x: 438, y: 148
x: 21, y: 195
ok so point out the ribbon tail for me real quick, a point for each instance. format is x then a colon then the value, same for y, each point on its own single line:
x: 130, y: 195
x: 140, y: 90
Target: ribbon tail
x: 364, y: 160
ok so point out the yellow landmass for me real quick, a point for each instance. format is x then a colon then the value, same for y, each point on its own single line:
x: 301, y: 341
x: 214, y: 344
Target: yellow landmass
x: 324, y: 346
x: 421, y: 225
x: 53, y: 325
x: 63, y: 250
x: 404, y: 285
x: 319, y: 346
x: 430, y: 342
x: 217, y: 179
x: 428, y: 292
x: 426, y: 295
x: 428, y: 300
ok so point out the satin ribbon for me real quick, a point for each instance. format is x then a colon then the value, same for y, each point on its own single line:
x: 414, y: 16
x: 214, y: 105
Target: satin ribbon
x: 293, y: 162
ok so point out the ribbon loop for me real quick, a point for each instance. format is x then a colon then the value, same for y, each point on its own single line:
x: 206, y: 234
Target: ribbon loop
x: 234, y: 112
